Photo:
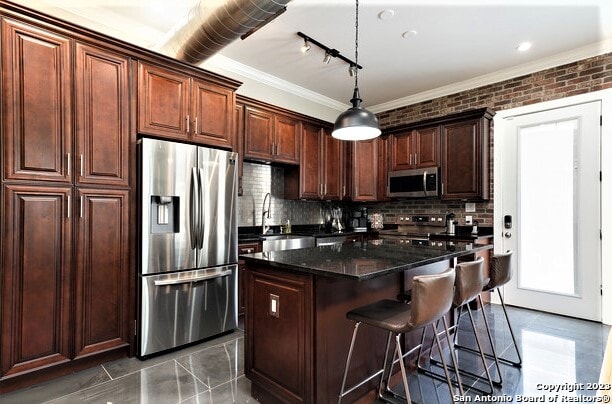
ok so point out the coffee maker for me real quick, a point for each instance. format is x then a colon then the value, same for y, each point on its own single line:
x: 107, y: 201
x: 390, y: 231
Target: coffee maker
x: 359, y: 219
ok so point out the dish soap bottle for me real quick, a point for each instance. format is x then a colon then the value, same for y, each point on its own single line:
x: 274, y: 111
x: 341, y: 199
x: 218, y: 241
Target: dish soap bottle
x: 288, y: 227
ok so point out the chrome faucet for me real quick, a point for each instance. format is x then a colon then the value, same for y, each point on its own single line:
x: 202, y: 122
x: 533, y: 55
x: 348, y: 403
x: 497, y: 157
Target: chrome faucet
x: 265, y: 213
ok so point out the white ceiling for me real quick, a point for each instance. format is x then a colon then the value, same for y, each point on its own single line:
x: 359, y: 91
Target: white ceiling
x: 459, y: 44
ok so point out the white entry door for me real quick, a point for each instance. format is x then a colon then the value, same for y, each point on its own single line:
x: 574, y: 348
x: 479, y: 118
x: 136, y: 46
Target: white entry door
x: 551, y: 191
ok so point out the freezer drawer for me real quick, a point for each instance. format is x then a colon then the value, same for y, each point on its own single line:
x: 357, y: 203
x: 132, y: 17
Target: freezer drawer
x: 184, y: 307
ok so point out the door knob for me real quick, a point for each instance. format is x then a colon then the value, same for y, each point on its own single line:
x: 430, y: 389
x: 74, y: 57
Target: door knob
x: 507, y: 234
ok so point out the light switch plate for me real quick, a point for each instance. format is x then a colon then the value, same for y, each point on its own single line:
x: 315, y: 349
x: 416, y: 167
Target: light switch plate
x: 470, y: 207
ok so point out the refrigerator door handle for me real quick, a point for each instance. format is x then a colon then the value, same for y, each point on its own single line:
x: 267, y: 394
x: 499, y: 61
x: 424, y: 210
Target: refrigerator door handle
x: 194, y: 209
x: 200, y: 211
x: 193, y: 279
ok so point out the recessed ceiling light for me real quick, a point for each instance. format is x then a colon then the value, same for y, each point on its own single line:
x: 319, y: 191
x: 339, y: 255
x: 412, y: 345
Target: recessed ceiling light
x: 523, y: 46
x: 386, y: 14
x: 409, y: 34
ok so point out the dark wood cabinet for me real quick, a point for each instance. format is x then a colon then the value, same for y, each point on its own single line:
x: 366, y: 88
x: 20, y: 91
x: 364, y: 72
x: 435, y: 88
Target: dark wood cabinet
x: 417, y: 148
x: 364, y: 170
x: 36, y: 278
x: 244, y: 248
x: 271, y: 136
x: 320, y: 164
x: 239, y: 125
x: 102, y: 271
x: 163, y: 102
x: 178, y: 106
x: 465, y: 158
x: 36, y: 103
x: 213, y: 114
x: 384, y: 151
x: 280, y: 305
x: 102, y: 117
x: 258, y: 133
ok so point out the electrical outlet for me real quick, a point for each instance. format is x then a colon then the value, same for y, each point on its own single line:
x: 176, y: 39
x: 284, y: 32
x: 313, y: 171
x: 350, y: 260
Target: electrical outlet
x: 468, y: 220
x: 470, y: 207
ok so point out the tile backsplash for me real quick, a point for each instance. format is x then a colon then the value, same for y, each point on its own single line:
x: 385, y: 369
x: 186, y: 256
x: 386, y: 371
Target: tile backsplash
x: 259, y: 179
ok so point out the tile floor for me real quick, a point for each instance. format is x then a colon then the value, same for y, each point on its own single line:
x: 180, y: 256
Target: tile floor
x: 556, y: 351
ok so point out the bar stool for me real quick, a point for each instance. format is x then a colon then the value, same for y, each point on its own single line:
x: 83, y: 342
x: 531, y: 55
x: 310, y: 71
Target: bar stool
x: 469, y: 281
x: 500, y: 273
x: 432, y: 297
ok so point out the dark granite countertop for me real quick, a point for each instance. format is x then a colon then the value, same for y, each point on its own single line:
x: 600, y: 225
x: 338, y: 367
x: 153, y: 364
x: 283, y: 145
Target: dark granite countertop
x: 249, y: 235
x: 363, y: 261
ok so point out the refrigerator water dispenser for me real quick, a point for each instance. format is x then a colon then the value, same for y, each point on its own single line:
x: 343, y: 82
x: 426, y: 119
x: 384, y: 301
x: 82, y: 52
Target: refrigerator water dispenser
x: 164, y: 214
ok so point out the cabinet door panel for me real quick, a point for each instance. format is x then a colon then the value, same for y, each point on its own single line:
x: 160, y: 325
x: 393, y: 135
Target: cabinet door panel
x: 163, y: 97
x: 310, y: 167
x: 36, y: 275
x: 259, y: 132
x: 287, y: 140
x: 214, y: 109
x: 383, y: 167
x: 461, y: 162
x: 102, y: 111
x: 36, y: 103
x: 427, y: 147
x: 332, y: 167
x: 365, y: 170
x: 102, y: 271
x: 402, y: 152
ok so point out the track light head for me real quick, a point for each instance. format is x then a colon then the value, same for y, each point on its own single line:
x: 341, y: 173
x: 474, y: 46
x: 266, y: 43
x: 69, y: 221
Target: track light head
x: 306, y: 47
x: 327, y: 58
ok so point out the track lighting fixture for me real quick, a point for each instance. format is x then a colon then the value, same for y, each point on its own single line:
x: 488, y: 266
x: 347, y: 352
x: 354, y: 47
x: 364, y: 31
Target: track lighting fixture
x: 329, y: 52
x: 352, y: 70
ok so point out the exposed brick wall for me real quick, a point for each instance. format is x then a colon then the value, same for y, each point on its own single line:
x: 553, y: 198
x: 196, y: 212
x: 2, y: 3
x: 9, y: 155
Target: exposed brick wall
x: 576, y: 78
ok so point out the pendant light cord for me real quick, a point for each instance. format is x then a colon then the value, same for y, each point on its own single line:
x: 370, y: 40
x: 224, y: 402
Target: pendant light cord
x: 356, y: 42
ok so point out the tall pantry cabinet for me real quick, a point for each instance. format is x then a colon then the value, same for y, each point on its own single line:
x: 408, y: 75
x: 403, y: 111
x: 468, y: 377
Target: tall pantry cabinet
x: 65, y: 191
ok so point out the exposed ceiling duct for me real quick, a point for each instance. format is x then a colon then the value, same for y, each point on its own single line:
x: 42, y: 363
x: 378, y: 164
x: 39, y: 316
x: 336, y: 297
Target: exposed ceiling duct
x: 211, y: 25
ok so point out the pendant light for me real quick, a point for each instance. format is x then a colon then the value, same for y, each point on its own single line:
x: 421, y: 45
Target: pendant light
x: 356, y: 123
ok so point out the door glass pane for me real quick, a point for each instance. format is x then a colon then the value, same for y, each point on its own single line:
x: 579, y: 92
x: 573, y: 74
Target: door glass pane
x: 546, y: 202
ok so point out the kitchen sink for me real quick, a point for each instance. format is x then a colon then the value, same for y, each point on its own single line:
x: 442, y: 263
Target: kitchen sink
x: 278, y: 242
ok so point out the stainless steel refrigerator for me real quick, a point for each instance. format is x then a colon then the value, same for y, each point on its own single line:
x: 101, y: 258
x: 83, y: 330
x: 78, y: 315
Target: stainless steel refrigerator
x: 188, y: 244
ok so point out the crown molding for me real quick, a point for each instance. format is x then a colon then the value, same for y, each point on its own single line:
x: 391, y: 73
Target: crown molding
x: 225, y: 63
x: 574, y: 55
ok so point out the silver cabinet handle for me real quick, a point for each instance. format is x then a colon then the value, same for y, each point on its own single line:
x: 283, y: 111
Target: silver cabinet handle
x: 81, y: 207
x: 195, y: 130
x: 187, y: 124
x: 247, y: 251
x: 325, y: 189
x: 81, y: 163
x: 192, y: 279
x: 425, y: 182
x: 68, y: 162
x: 68, y: 207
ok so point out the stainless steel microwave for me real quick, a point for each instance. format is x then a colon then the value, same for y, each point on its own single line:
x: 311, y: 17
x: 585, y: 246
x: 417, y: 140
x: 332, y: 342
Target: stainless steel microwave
x: 417, y: 183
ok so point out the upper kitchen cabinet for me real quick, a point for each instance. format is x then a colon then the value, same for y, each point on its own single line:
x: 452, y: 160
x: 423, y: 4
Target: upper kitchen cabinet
x: 384, y: 151
x: 178, y: 106
x: 363, y: 176
x: 163, y: 102
x: 270, y: 135
x: 102, y: 117
x: 321, y: 164
x: 465, y: 156
x: 417, y: 148
x: 213, y: 114
x: 36, y: 103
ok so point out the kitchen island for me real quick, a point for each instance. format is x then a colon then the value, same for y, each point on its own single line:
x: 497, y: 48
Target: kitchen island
x: 296, y: 332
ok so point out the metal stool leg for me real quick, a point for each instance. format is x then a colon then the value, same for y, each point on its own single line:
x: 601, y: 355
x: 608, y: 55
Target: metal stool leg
x: 518, y: 354
x: 486, y: 322
x: 398, y: 349
x: 348, y: 362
